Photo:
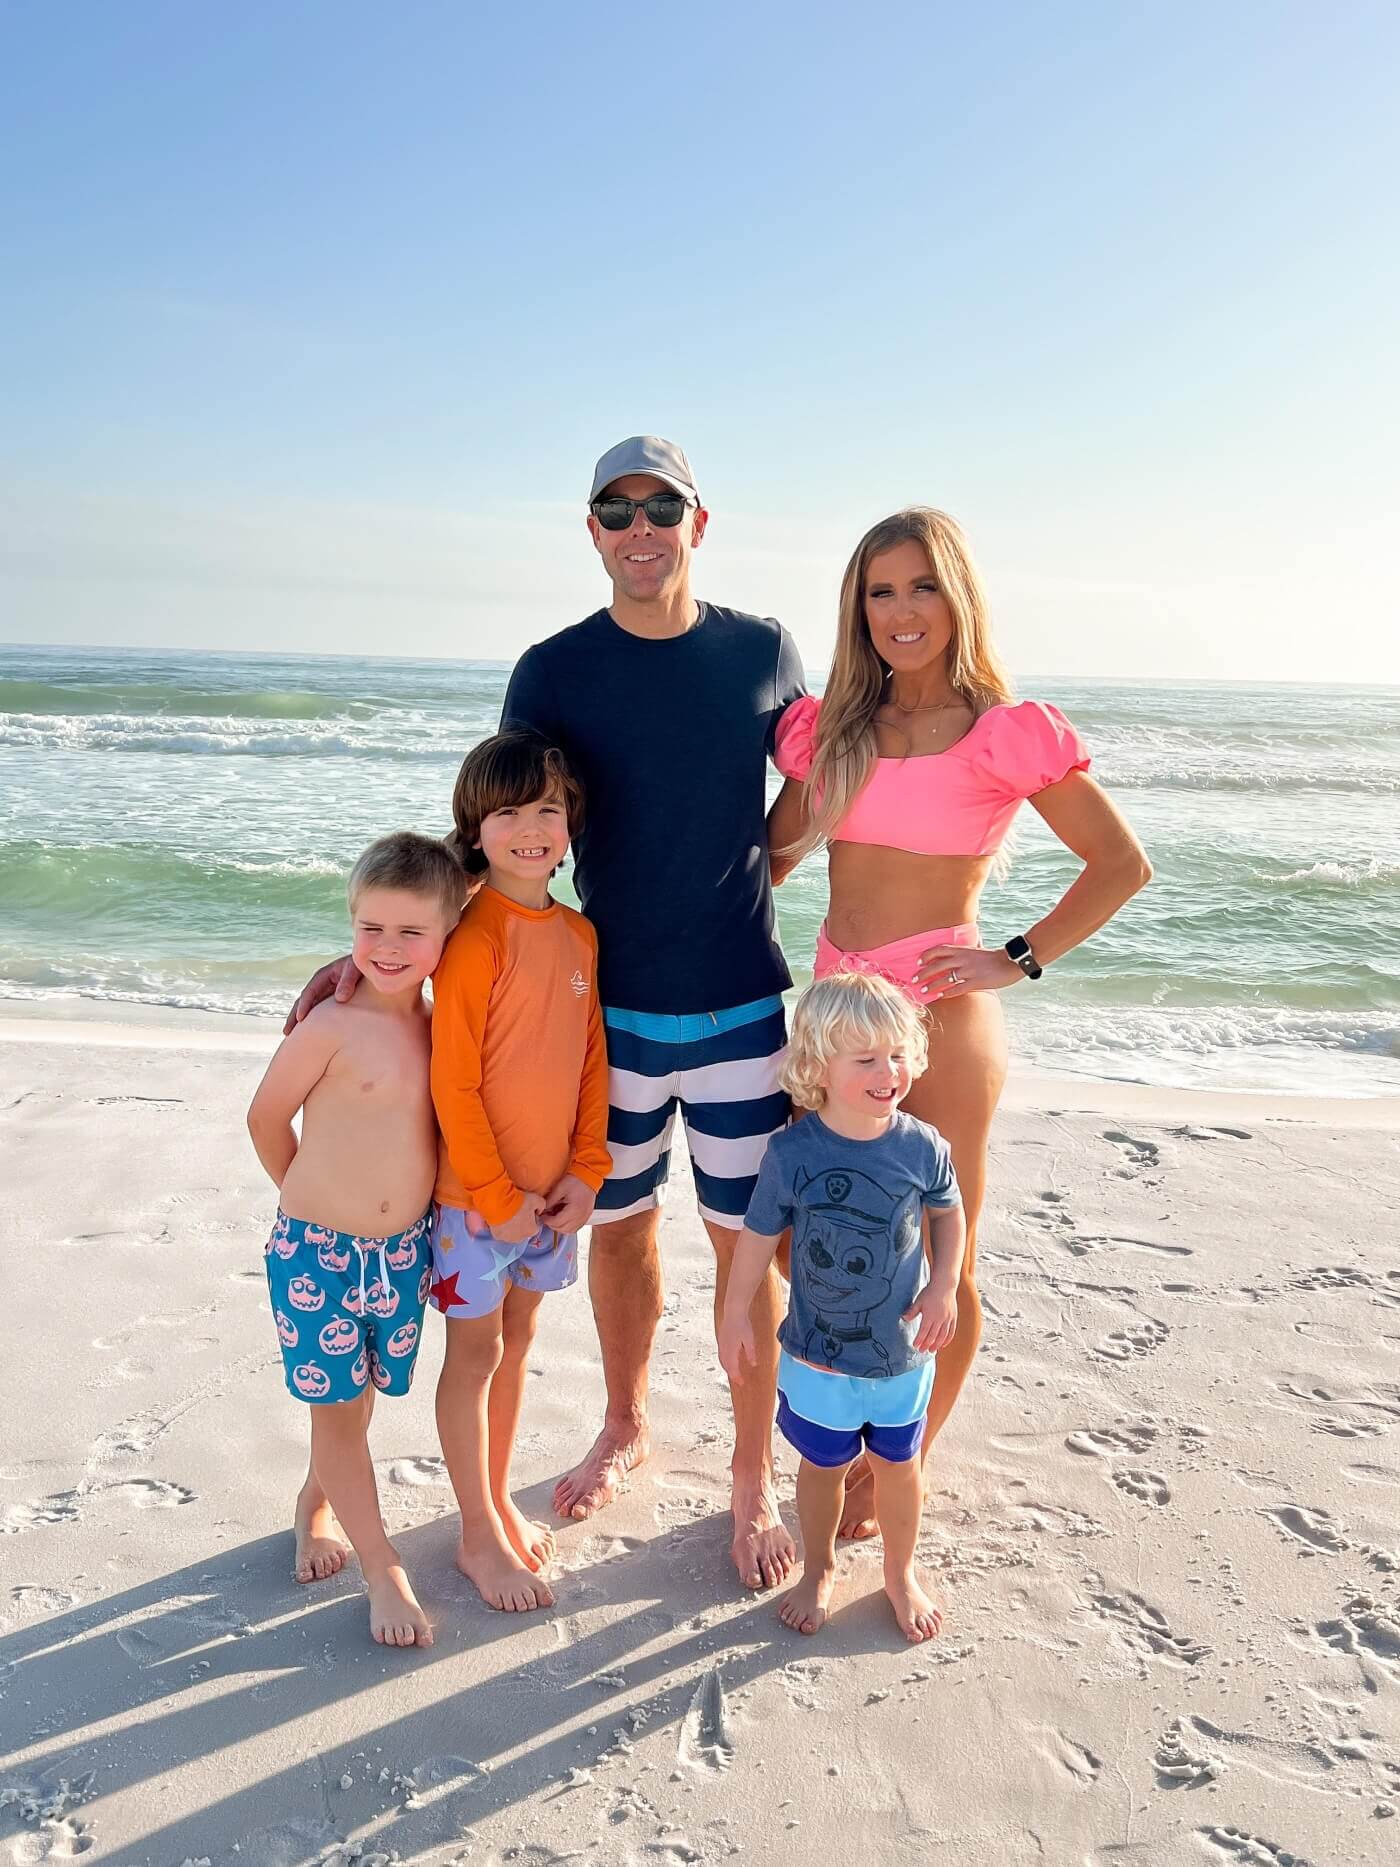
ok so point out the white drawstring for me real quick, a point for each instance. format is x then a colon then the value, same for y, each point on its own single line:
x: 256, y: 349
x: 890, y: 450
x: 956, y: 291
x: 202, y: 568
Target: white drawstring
x: 383, y: 1273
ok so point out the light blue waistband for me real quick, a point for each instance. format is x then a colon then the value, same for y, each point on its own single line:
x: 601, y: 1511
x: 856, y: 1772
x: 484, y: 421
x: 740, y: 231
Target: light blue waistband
x: 845, y: 1402
x: 689, y: 1027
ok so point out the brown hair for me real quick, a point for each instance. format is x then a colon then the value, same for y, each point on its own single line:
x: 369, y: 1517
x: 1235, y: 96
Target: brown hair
x: 420, y: 865
x: 511, y: 768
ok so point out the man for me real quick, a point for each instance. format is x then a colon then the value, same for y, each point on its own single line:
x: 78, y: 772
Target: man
x: 666, y: 708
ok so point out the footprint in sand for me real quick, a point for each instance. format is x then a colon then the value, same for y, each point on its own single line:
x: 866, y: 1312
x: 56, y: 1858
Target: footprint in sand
x: 417, y: 1471
x: 1366, y: 1629
x: 1125, y: 1435
x: 1315, y: 1529
x: 62, y: 1507
x: 1235, y: 1845
x: 1371, y: 1474
x: 180, y: 1627
x: 1140, y: 1338
x: 705, y: 1742
x: 1281, y: 1760
x: 1138, y: 1155
x: 1078, y: 1762
x: 1181, y: 1762
x: 150, y: 1493
x: 1144, y: 1486
x: 1344, y: 1416
x: 1192, y: 1132
x: 1145, y: 1631
x: 1330, y: 1277
x: 1154, y: 1246
x: 689, y: 1481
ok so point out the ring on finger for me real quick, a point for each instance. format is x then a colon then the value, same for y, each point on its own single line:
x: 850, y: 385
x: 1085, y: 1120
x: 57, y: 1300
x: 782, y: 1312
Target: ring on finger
x: 953, y: 979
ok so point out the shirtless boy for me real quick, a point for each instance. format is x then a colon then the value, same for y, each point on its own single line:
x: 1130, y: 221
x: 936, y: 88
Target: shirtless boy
x: 348, y: 1262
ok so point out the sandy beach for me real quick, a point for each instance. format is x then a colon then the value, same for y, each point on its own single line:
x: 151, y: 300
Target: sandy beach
x: 1165, y: 1526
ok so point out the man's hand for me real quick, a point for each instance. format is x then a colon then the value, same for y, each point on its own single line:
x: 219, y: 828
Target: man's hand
x: 340, y: 977
x: 521, y: 1226
x: 568, y: 1204
x: 936, y: 1311
x: 736, y: 1346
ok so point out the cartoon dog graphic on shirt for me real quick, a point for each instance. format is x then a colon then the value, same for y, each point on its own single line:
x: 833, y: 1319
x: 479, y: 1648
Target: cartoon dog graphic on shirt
x: 842, y: 1232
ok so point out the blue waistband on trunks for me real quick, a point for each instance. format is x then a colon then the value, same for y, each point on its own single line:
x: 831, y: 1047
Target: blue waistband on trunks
x: 689, y: 1027
x: 846, y: 1401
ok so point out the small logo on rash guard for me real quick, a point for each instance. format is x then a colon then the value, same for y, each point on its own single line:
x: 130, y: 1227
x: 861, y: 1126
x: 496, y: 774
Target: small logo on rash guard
x: 579, y: 983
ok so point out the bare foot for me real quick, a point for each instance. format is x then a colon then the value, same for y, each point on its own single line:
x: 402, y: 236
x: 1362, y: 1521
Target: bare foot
x: 321, y: 1546
x: 918, y: 1618
x: 395, y: 1618
x: 594, y: 1481
x: 805, y: 1604
x: 501, y: 1578
x: 763, y: 1551
x: 532, y: 1542
x: 858, y: 1512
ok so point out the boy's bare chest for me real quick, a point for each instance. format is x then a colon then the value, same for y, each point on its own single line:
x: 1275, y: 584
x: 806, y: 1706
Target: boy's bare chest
x: 384, y: 1076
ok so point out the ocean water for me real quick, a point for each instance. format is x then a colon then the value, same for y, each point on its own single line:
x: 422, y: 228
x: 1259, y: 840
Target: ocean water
x: 175, y: 830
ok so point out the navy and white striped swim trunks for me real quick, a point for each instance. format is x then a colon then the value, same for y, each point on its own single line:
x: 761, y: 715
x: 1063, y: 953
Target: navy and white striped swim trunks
x: 720, y: 1068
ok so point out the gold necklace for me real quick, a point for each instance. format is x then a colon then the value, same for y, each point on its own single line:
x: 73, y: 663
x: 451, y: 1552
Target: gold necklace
x: 934, y: 706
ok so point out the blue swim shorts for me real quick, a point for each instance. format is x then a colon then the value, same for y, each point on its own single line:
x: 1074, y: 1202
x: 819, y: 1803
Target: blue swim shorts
x: 471, y: 1267
x: 348, y: 1310
x: 828, y: 1417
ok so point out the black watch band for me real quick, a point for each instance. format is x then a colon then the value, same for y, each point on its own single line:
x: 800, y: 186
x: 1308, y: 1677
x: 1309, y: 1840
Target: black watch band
x: 1018, y: 948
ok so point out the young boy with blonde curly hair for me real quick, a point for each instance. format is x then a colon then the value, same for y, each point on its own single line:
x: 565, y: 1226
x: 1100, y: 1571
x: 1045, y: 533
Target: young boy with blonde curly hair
x: 877, y: 1244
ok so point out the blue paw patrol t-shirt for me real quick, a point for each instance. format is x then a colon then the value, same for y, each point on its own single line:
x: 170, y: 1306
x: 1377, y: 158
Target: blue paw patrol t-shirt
x: 858, y: 1261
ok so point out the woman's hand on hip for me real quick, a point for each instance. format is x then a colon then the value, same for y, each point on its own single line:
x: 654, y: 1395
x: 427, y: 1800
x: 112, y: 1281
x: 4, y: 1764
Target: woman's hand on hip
x: 952, y: 971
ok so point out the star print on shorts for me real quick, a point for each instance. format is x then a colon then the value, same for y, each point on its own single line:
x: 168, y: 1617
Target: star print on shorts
x: 471, y: 1267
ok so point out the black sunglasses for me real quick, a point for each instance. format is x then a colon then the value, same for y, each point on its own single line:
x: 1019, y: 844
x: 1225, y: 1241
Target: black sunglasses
x: 615, y: 514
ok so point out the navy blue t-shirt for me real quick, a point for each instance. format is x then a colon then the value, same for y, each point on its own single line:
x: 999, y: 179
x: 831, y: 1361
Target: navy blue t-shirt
x: 671, y: 740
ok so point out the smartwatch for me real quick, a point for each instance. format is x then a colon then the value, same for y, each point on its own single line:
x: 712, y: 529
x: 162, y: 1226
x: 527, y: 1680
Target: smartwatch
x: 1018, y: 948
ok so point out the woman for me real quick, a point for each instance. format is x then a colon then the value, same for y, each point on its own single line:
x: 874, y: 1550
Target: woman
x: 910, y: 769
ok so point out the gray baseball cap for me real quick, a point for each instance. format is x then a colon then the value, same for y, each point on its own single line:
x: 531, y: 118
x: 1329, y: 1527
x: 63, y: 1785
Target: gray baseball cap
x: 646, y: 453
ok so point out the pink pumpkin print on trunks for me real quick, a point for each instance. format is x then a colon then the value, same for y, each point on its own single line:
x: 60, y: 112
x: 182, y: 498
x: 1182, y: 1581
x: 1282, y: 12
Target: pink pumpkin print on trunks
x: 425, y: 1284
x: 280, y: 1241
x: 305, y: 1293
x: 359, y: 1369
x: 382, y: 1299
x: 332, y: 1257
x: 317, y: 1235
x: 378, y: 1373
x: 402, y: 1341
x: 286, y: 1329
x: 351, y: 1301
x: 340, y: 1336
x: 312, y: 1381
x: 404, y: 1255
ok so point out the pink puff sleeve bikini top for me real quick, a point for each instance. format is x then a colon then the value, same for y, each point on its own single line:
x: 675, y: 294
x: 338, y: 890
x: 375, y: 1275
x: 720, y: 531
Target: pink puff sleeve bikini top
x: 954, y: 803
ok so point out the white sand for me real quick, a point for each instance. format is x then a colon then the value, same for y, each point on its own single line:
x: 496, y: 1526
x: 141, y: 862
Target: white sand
x: 1165, y: 1525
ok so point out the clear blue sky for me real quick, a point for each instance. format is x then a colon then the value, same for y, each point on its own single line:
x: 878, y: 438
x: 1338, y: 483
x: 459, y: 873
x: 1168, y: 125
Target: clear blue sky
x: 314, y: 316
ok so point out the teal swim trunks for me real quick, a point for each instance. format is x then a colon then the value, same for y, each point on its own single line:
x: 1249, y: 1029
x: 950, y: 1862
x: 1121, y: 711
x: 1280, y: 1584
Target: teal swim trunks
x: 348, y: 1310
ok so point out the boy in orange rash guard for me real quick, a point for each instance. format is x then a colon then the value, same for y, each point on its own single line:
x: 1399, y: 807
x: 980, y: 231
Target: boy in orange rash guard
x: 520, y: 1087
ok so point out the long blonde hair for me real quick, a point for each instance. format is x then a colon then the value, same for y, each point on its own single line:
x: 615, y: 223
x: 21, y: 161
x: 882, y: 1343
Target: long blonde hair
x: 844, y: 751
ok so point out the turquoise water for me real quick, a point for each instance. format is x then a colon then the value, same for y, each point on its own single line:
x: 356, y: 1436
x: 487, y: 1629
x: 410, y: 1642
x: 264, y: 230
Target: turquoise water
x: 175, y: 830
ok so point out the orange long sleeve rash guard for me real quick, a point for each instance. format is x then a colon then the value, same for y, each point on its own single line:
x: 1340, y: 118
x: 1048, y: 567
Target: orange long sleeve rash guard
x: 520, y: 1068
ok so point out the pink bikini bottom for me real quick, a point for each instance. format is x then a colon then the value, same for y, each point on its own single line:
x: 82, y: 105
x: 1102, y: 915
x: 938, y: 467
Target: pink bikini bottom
x: 896, y: 961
